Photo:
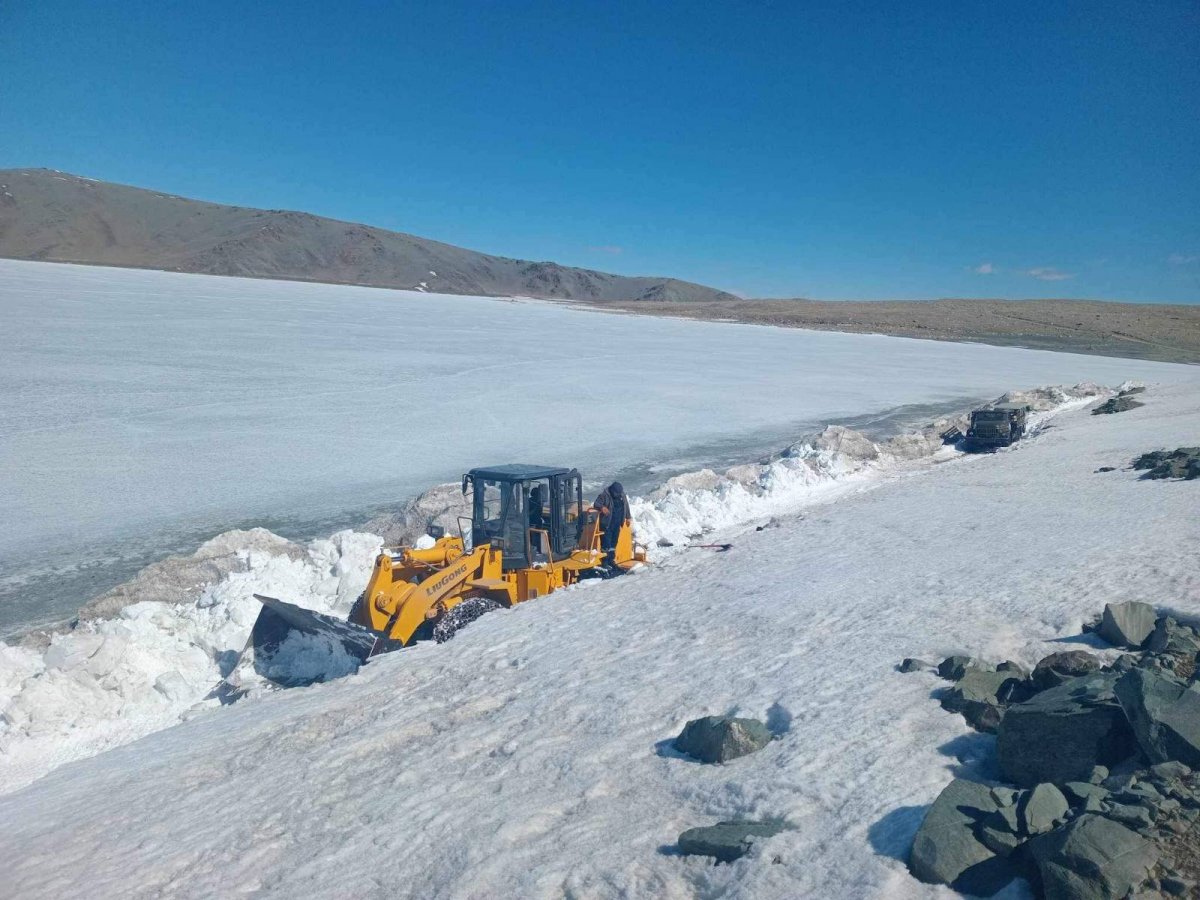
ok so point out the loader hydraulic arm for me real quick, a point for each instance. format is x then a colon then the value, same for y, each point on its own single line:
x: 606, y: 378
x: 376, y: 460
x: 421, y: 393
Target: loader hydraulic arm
x: 403, y: 592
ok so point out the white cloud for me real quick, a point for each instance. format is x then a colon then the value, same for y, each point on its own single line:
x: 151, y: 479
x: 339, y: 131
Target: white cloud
x: 1048, y: 273
x: 984, y: 269
x: 1180, y: 259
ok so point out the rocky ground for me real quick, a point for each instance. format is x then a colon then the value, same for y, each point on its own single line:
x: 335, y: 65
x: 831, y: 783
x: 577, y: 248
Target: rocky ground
x: 1099, y: 797
x: 1142, y: 331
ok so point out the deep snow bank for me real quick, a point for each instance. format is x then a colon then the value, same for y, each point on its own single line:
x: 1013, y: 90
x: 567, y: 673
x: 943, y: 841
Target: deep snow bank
x: 159, y: 658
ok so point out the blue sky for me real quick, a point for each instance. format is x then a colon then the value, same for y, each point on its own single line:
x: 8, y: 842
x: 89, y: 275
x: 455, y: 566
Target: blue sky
x: 833, y: 150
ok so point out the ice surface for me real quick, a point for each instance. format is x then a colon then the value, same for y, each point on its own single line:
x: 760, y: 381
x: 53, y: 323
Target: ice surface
x: 522, y: 759
x: 143, y: 412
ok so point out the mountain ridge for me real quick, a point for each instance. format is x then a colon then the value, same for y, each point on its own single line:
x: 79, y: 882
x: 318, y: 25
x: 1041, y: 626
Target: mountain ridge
x: 53, y: 216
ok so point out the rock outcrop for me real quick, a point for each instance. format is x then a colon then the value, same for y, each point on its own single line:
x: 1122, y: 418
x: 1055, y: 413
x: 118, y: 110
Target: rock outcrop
x: 718, y: 739
x: 1183, y: 463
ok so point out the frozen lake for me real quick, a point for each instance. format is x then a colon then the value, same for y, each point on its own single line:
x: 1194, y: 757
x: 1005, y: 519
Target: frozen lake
x: 141, y: 412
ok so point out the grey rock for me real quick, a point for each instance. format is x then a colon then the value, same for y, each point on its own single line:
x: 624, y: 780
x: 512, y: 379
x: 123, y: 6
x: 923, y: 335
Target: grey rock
x: 1143, y: 792
x: 1005, y: 796
x: 718, y: 739
x: 1042, y: 809
x: 1098, y: 774
x: 1000, y: 841
x: 1165, y: 716
x: 1060, y: 734
x: 1006, y: 818
x: 1121, y: 664
x: 1183, y: 462
x: 947, y: 849
x: 1170, y: 771
x: 1176, y: 646
x: 1013, y: 668
x: 726, y: 841
x: 1118, y: 404
x: 1136, y: 817
x: 1056, y: 668
x: 980, y: 696
x: 914, y: 665
x: 1120, y: 781
x: 1078, y: 792
x: 1127, y: 624
x: 1173, y: 639
x: 953, y: 668
x: 984, y: 717
x: 1092, y: 858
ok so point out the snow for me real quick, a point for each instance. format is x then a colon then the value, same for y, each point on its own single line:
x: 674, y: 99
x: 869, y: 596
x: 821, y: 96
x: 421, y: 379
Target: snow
x: 528, y: 756
x: 90, y: 690
x: 143, y: 412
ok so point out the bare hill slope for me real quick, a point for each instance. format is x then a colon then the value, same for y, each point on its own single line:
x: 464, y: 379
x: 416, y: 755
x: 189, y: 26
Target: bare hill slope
x: 1170, y: 333
x: 55, y: 216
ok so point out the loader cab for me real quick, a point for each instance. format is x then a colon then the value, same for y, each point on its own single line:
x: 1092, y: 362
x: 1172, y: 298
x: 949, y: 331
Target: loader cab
x: 534, y: 514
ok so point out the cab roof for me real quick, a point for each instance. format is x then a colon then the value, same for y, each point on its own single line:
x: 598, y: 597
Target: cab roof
x: 517, y: 472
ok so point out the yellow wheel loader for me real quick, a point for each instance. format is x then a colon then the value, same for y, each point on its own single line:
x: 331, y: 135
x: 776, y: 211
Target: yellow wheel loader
x: 529, y: 534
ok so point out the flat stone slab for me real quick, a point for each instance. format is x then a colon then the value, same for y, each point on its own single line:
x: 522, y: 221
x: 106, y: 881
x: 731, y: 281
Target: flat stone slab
x: 726, y: 841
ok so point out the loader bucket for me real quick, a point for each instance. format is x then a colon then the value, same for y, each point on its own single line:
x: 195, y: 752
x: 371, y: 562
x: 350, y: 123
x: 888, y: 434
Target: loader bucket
x: 278, y: 619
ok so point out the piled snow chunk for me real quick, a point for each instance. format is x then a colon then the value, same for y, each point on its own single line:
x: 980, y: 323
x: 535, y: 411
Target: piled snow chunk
x: 816, y: 469
x: 111, y: 681
x: 304, y: 659
x: 181, y: 579
x: 1044, y: 399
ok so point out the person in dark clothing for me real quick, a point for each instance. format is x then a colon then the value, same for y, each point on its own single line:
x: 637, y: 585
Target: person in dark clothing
x: 613, y: 507
x: 537, y: 519
x: 537, y: 516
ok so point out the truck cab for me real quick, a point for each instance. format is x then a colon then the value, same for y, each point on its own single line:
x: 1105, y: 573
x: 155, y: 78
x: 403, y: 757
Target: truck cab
x: 996, y: 426
x: 533, y: 514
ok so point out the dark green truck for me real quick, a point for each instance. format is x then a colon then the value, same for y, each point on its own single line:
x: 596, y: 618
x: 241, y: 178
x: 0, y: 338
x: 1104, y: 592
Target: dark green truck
x: 996, y: 426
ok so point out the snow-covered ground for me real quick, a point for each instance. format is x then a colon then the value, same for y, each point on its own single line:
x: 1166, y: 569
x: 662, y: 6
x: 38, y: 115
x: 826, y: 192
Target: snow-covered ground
x: 156, y: 656
x: 142, y: 412
x: 526, y: 758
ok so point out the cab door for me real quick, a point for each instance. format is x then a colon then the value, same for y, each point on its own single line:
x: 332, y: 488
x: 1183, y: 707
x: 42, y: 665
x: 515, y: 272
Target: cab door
x: 568, y: 513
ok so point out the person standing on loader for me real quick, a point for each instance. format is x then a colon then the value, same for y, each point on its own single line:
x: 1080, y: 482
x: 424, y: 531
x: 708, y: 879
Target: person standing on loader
x: 613, y: 506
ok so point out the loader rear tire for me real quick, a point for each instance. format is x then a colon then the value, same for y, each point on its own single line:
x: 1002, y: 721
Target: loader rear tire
x: 461, y: 616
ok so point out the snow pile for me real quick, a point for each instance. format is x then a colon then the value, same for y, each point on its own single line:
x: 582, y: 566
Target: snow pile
x: 814, y: 470
x: 181, y: 579
x: 110, y: 681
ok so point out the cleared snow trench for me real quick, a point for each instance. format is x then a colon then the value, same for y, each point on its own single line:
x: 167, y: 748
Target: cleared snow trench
x: 113, y: 680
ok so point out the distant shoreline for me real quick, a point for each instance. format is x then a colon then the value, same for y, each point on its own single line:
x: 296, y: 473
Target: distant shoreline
x: 1159, y: 332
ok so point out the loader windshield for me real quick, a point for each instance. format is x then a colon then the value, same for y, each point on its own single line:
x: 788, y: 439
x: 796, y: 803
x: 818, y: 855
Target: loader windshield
x: 500, y: 518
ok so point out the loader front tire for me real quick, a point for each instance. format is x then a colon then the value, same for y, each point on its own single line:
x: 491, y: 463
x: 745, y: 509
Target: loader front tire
x: 461, y: 616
